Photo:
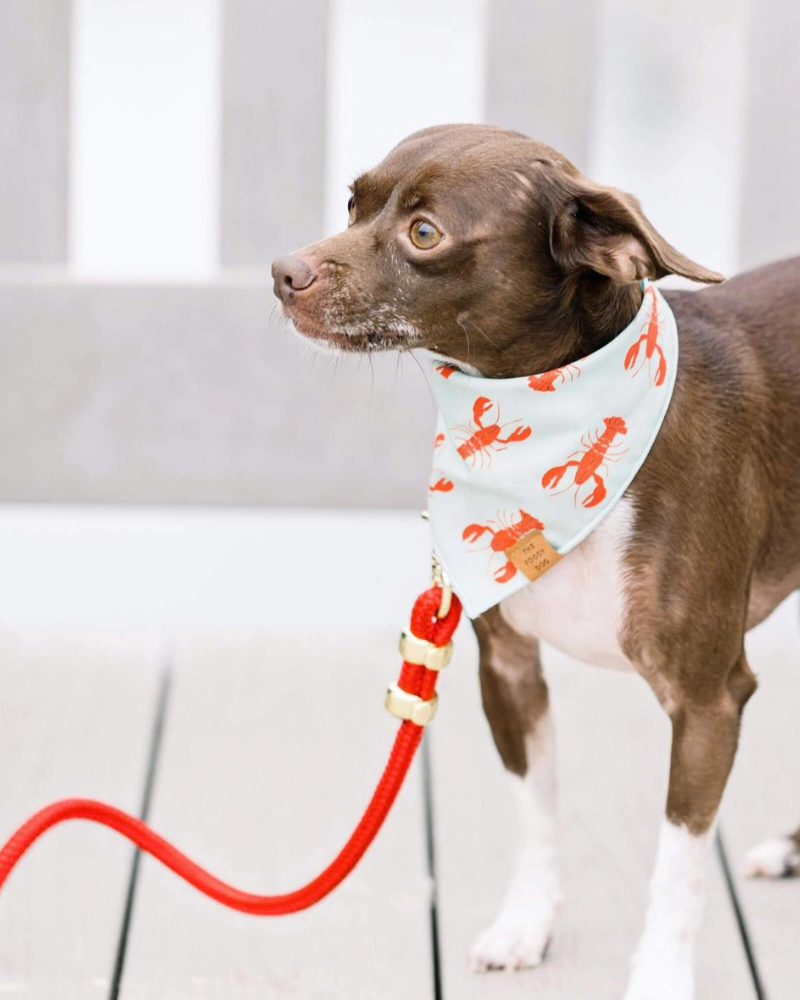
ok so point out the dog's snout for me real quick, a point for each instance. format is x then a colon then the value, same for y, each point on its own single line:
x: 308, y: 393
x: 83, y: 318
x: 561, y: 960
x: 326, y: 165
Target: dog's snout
x: 291, y: 275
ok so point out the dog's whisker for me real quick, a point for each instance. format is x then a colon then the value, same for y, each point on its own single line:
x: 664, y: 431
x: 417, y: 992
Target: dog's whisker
x: 466, y: 334
x: 418, y: 363
x: 487, y: 337
x: 396, y: 370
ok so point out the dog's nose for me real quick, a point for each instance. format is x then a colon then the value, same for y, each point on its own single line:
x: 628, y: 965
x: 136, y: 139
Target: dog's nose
x: 292, y: 274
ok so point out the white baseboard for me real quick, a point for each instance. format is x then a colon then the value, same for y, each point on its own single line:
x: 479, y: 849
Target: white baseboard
x: 175, y: 569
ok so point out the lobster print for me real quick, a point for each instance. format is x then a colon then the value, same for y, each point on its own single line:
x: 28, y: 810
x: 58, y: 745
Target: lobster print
x: 442, y: 484
x: 446, y: 370
x: 504, y: 532
x: 652, y: 348
x: 557, y: 376
x: 478, y: 440
x: 598, y: 449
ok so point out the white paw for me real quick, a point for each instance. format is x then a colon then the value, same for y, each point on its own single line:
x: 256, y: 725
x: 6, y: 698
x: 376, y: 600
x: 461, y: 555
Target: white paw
x: 774, y: 858
x: 659, y: 978
x: 516, y: 940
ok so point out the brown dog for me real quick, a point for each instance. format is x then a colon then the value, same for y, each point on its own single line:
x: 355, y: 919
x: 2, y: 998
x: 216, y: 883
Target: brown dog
x: 492, y: 250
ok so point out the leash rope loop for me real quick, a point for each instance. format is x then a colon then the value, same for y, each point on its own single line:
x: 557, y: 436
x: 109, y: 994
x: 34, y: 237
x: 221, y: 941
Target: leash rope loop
x: 415, y: 680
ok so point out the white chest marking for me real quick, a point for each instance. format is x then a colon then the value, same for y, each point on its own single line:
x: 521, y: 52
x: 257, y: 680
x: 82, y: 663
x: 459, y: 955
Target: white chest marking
x: 579, y: 606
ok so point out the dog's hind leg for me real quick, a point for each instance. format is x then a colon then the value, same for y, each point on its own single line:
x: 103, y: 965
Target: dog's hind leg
x: 515, y: 700
x: 778, y: 857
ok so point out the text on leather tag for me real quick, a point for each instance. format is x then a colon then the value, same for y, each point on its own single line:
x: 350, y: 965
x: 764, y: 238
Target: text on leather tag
x: 532, y: 554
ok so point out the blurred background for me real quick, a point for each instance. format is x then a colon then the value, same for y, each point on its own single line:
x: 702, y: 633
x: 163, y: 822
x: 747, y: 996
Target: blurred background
x: 155, y: 155
x: 209, y: 534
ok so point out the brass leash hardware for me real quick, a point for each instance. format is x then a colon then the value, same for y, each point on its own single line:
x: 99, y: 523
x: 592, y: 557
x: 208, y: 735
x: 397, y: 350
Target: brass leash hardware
x: 420, y: 651
x: 441, y: 579
x: 423, y: 653
x: 410, y: 707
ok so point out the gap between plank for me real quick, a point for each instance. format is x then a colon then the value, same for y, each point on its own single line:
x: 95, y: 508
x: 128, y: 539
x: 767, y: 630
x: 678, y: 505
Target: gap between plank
x: 430, y: 851
x: 749, y: 950
x: 154, y: 751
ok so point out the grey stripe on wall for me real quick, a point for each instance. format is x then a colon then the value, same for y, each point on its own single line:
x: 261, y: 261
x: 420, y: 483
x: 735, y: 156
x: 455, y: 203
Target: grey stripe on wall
x: 540, y: 71
x: 193, y: 394
x: 770, y: 219
x: 34, y: 100
x: 273, y: 141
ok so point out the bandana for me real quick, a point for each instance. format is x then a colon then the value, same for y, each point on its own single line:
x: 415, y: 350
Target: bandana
x: 524, y: 468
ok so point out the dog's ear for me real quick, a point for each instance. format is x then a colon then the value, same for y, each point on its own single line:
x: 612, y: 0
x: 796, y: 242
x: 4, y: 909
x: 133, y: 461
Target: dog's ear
x: 605, y: 230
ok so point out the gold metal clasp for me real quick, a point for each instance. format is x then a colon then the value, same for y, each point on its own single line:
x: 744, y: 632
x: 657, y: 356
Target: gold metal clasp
x: 410, y: 707
x: 420, y: 651
x: 441, y: 579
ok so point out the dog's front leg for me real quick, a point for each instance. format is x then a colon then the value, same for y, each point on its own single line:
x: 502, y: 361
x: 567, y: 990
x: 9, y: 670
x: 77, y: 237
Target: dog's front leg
x: 705, y: 708
x: 515, y: 700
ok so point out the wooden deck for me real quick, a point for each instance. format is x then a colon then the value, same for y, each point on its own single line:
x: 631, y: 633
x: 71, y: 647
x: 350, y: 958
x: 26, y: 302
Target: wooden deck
x: 256, y: 753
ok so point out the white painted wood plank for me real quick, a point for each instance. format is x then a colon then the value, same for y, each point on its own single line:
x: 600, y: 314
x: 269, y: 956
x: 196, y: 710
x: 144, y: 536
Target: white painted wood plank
x: 613, y: 760
x: 92, y: 567
x: 366, y: 121
x: 75, y: 720
x: 763, y: 799
x: 145, y: 150
x: 272, y: 749
x: 680, y: 154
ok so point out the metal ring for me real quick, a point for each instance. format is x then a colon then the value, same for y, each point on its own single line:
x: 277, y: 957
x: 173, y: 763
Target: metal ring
x: 441, y: 579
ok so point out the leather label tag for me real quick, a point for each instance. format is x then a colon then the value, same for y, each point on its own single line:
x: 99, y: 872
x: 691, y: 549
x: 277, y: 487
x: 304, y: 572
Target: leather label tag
x: 532, y: 554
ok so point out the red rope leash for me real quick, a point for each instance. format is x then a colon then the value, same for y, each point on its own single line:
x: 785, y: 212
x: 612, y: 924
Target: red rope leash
x: 416, y: 680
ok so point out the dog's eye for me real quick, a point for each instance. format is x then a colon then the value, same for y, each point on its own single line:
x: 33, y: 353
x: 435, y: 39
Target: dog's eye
x: 351, y: 209
x: 424, y: 235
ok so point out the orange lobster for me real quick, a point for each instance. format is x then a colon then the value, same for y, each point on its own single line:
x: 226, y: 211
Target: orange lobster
x: 597, y: 451
x: 652, y: 346
x: 504, y: 533
x: 481, y: 440
x: 548, y: 381
x: 442, y: 484
x: 446, y: 370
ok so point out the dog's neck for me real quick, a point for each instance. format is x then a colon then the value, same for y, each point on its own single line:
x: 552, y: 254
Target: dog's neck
x: 583, y: 315
x: 598, y: 310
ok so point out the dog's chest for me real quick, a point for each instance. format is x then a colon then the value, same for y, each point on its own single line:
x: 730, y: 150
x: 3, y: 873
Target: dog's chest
x: 579, y: 605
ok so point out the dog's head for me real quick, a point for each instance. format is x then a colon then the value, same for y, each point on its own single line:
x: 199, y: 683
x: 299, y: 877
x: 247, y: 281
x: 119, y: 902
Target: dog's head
x: 477, y: 243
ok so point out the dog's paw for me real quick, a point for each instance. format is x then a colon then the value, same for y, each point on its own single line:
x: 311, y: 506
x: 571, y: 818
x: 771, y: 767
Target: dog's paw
x: 518, y: 939
x: 777, y: 857
x: 658, y: 978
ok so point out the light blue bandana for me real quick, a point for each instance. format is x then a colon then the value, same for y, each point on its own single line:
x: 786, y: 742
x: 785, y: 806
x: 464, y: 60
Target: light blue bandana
x: 524, y: 468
